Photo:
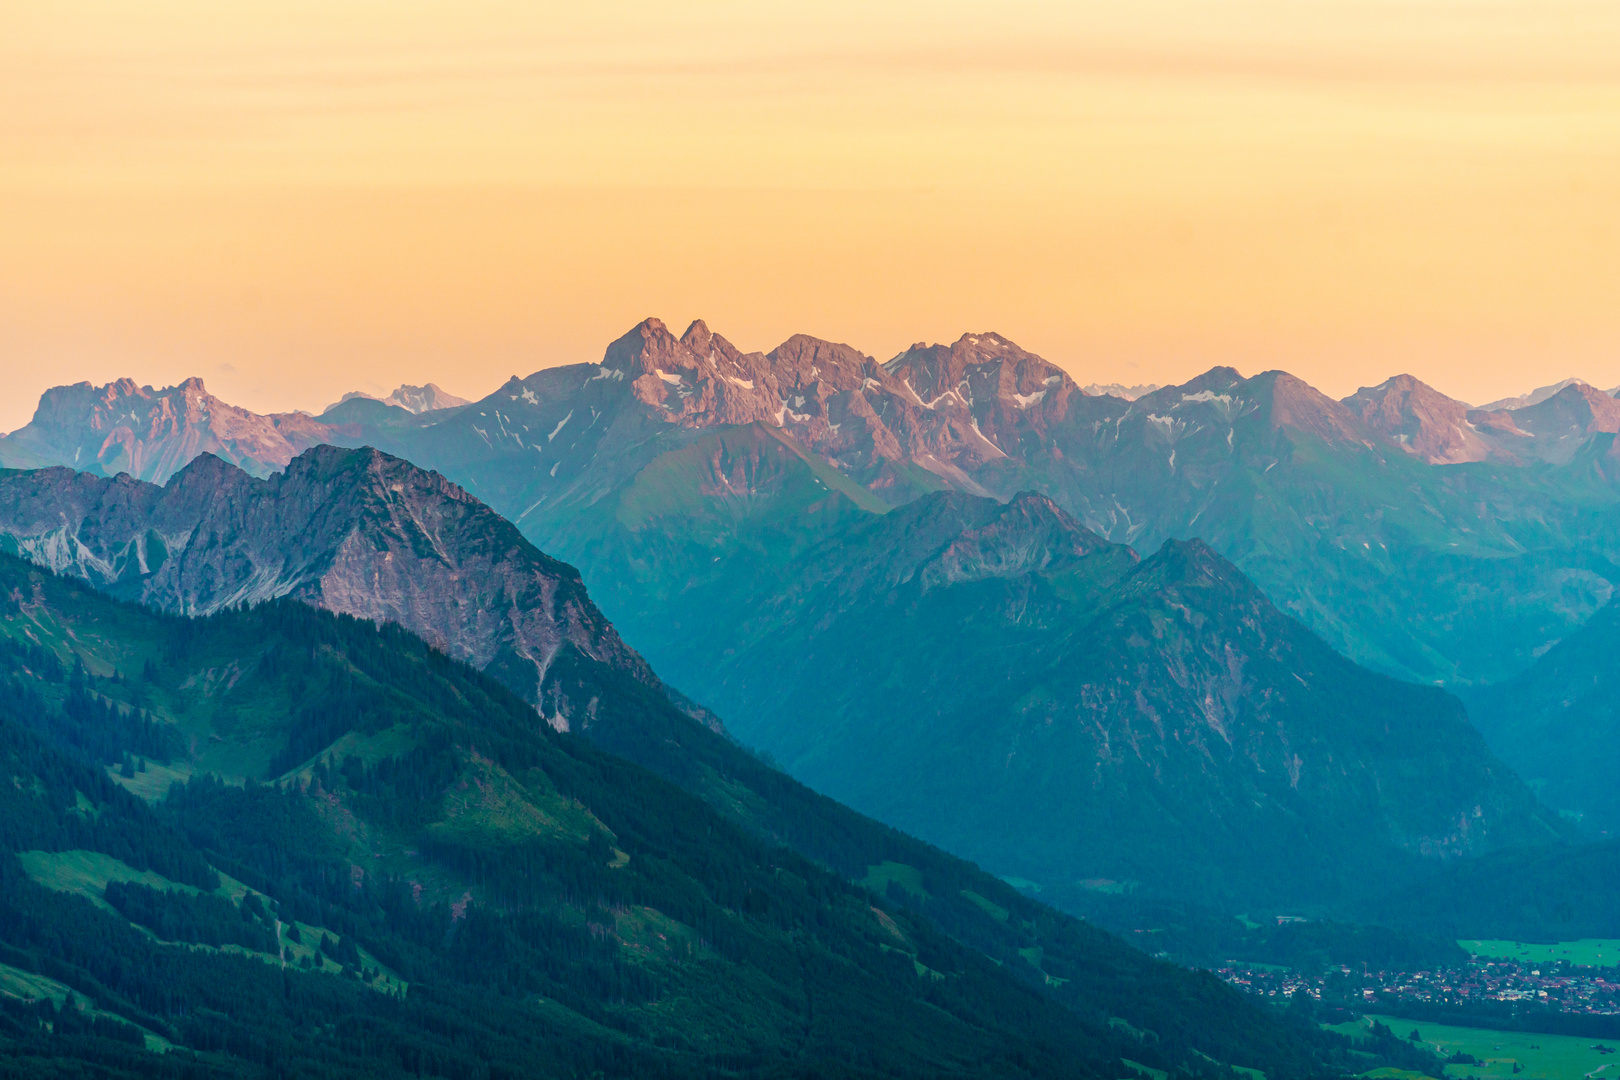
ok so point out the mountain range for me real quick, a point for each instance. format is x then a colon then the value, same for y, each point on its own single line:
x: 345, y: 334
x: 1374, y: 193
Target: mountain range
x: 272, y: 838
x: 153, y: 434
x: 1042, y: 702
x: 1374, y: 521
x: 695, y: 486
x: 384, y: 747
x: 1536, y: 396
x: 413, y: 399
x: 1332, y: 507
x: 999, y: 680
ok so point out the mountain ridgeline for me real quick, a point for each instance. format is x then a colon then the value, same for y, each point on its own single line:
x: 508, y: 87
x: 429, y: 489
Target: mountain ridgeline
x: 353, y: 531
x: 1042, y: 701
x: 277, y: 839
x: 1375, y: 520
x: 1002, y: 682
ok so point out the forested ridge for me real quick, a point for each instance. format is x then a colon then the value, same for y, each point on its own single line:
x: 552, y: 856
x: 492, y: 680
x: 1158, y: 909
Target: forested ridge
x: 357, y: 857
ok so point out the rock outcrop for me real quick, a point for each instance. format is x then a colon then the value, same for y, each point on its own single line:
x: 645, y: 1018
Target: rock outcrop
x: 354, y: 531
x: 1427, y: 424
x: 153, y: 434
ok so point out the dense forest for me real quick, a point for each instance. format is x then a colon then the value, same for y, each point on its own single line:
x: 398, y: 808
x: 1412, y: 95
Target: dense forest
x: 356, y: 857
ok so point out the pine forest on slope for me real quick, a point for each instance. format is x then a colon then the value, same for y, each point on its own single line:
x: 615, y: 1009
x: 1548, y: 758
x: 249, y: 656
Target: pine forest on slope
x: 405, y: 869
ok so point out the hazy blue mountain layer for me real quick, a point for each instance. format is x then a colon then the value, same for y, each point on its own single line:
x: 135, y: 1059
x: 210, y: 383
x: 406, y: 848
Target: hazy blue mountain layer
x: 278, y: 839
x: 1558, y: 723
x: 1416, y: 536
x: 1013, y: 687
x: 994, y: 678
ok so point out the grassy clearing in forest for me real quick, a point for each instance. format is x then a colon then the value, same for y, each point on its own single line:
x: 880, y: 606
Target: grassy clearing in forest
x: 1539, y: 1057
x: 1587, y: 952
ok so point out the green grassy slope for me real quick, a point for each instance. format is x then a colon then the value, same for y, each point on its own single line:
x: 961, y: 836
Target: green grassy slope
x: 480, y: 893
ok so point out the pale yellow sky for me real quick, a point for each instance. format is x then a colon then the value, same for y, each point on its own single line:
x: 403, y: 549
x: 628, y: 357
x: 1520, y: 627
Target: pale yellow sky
x: 297, y: 199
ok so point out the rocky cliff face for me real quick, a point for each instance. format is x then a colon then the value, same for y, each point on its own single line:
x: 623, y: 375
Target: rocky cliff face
x: 152, y: 434
x: 1427, y: 424
x: 1554, y: 429
x: 353, y: 531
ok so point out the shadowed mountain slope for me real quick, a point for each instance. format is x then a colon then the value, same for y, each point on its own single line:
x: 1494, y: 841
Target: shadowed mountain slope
x: 1003, y: 682
x: 1558, y: 723
x: 407, y: 866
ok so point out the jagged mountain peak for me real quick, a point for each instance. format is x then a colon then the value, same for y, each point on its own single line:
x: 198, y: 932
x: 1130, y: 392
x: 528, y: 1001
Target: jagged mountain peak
x: 1212, y: 384
x: 960, y: 510
x: 1402, y: 383
x: 1555, y: 428
x: 992, y: 388
x: 990, y: 344
x: 1598, y: 403
x: 1291, y: 402
x: 1578, y: 409
x: 699, y: 338
x: 1194, y: 559
x: 861, y: 417
x: 1424, y: 422
x: 355, y: 531
x: 1219, y: 377
x: 1029, y: 534
x: 152, y: 433
x: 969, y: 349
x: 838, y: 359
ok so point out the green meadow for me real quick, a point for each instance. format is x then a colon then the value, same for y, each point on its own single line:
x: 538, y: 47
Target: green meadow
x: 1587, y: 952
x: 1538, y: 1057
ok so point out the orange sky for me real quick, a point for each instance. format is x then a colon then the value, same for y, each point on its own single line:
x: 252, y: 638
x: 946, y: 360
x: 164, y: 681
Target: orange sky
x: 297, y: 199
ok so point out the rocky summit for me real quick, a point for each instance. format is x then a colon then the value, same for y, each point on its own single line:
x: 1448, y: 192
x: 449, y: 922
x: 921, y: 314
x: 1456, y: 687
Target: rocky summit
x: 354, y: 531
x: 152, y: 434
